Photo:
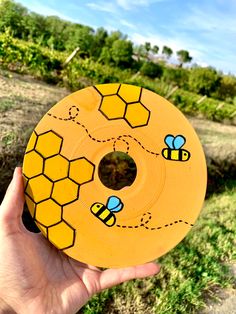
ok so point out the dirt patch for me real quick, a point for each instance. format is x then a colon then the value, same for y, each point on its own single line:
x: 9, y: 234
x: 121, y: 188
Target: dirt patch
x: 23, y: 101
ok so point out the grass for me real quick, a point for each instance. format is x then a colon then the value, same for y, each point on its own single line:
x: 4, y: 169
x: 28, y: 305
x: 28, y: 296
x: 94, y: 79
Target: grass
x: 190, y: 272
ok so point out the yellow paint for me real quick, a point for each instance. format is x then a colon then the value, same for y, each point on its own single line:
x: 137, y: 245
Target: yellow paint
x: 33, y: 164
x: 113, y: 107
x: 104, y: 214
x: 137, y: 114
x: 42, y: 228
x: 111, y: 221
x: 185, y: 154
x: 130, y: 93
x: 31, y: 143
x: 108, y: 89
x: 81, y: 170
x: 61, y: 235
x: 96, y: 207
x: 30, y: 205
x: 56, y: 167
x: 48, y: 144
x: 65, y: 191
x: 175, y: 154
x: 48, y: 213
x: 39, y: 188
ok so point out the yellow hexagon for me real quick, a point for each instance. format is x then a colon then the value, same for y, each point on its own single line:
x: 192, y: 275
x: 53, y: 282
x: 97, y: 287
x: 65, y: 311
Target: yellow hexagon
x: 65, y: 191
x: 137, y: 115
x: 42, y: 228
x: 31, y: 143
x: 56, y: 167
x: 113, y: 107
x: 48, y: 213
x: 39, y: 188
x: 129, y: 93
x: 33, y: 164
x: 30, y: 205
x: 61, y: 235
x: 107, y: 89
x: 81, y: 170
x: 48, y: 144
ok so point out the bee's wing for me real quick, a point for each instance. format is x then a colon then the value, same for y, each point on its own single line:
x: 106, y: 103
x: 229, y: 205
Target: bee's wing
x: 114, y: 204
x: 169, y: 140
x: 179, y: 141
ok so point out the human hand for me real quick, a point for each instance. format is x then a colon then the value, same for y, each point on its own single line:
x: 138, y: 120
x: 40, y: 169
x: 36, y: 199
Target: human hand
x: 35, y: 277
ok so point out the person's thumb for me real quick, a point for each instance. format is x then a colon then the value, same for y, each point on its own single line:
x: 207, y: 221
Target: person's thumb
x: 13, y: 203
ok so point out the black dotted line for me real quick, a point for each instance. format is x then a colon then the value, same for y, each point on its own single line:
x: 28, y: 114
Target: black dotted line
x: 72, y: 118
x: 119, y: 139
x: 139, y: 143
x: 144, y: 223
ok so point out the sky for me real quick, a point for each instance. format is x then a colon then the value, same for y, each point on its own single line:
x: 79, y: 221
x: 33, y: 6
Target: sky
x: 206, y: 28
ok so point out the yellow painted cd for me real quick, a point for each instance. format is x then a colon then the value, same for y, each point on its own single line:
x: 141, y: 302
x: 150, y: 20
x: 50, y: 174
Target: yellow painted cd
x: 96, y: 224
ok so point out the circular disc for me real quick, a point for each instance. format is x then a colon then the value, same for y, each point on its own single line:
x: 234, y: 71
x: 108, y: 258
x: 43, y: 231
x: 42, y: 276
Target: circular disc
x: 95, y: 224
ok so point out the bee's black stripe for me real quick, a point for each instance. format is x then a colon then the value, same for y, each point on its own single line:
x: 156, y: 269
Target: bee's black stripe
x: 108, y: 217
x: 180, y: 155
x: 101, y: 210
x: 169, y: 153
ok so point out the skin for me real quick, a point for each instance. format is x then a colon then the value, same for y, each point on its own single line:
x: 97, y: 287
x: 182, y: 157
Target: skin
x: 37, y: 278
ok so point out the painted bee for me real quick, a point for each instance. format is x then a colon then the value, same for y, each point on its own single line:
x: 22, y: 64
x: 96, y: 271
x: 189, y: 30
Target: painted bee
x: 106, y: 212
x: 174, y: 151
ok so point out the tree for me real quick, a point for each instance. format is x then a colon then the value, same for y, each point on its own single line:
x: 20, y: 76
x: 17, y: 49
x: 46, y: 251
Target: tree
x: 155, y: 49
x: 80, y: 36
x: 204, y: 81
x: 115, y: 35
x: 227, y: 88
x: 167, y: 52
x: 13, y: 15
x: 151, y: 69
x: 177, y: 76
x: 122, y: 52
x: 184, y: 57
x: 99, y: 41
x: 147, y: 46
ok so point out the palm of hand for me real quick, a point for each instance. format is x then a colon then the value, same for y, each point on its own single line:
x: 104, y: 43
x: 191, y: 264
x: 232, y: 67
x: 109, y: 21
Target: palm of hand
x: 36, y: 277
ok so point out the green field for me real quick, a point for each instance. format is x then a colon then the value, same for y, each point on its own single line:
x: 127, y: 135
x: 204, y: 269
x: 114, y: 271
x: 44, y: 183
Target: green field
x: 190, y: 273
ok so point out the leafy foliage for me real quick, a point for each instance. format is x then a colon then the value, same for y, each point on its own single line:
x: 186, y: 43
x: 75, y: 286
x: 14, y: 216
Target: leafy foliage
x: 204, y: 81
x: 151, y: 69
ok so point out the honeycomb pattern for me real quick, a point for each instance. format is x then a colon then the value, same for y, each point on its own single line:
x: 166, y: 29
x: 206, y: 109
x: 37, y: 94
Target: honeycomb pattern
x: 122, y: 101
x: 52, y: 182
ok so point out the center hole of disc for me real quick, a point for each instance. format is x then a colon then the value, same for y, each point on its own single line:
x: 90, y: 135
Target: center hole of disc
x: 117, y: 170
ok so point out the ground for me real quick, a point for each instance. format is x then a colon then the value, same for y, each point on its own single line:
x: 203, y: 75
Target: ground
x: 23, y: 101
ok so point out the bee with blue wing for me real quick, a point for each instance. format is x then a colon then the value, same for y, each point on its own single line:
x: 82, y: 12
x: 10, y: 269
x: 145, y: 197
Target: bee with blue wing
x: 106, y: 212
x: 174, y: 150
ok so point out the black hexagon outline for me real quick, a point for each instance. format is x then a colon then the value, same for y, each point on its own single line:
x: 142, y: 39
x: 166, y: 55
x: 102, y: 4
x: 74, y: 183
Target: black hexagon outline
x: 94, y: 167
x: 149, y: 115
x: 105, y: 114
x: 36, y: 204
x: 54, y: 157
x: 41, y: 174
x: 29, y: 178
x: 77, y: 196
x: 74, y: 234
x: 46, y: 133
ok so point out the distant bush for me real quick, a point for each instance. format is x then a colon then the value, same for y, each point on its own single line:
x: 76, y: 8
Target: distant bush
x: 151, y: 69
x: 203, y: 81
x: 176, y: 76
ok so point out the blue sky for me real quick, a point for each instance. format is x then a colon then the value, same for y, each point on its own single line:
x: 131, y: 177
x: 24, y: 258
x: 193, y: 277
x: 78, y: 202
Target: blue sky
x: 206, y: 28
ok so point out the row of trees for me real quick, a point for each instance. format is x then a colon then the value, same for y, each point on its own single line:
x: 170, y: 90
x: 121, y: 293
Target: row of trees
x: 61, y: 35
x: 114, y: 49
